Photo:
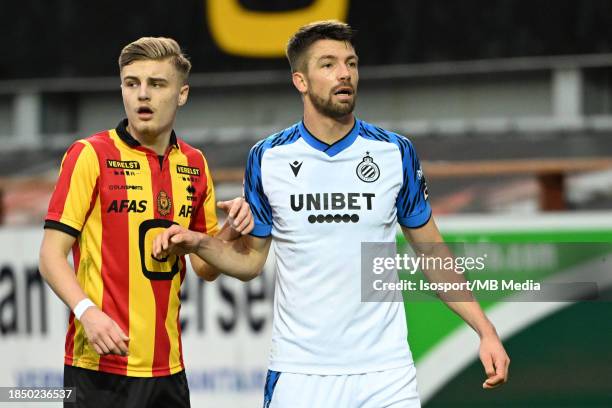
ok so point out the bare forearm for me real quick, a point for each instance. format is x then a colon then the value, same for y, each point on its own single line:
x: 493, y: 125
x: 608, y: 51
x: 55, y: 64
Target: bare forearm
x: 232, y: 258
x: 61, y: 278
x: 472, y: 314
x: 242, y: 258
x: 427, y: 240
x: 202, y: 268
x: 462, y: 301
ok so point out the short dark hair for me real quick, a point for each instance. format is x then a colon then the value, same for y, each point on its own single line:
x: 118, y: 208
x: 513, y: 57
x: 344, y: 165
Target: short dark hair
x: 300, y: 42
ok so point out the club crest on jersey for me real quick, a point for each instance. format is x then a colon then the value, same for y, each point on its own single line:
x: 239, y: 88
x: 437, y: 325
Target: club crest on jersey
x: 164, y: 203
x: 367, y: 170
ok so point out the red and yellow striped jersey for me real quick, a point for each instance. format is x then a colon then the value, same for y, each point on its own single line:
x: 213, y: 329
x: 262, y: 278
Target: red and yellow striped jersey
x: 115, y: 196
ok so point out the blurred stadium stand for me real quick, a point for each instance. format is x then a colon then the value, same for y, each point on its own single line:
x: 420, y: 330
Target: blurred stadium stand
x: 519, y: 83
x: 520, y: 112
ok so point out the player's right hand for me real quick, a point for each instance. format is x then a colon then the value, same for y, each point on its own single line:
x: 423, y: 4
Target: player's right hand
x: 103, y: 333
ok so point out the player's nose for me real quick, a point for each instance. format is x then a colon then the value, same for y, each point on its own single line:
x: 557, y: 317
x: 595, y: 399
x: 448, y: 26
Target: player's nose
x: 143, y: 93
x: 344, y: 72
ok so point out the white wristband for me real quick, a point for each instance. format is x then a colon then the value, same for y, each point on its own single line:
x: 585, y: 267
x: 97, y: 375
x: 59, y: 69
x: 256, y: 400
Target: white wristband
x: 80, y: 308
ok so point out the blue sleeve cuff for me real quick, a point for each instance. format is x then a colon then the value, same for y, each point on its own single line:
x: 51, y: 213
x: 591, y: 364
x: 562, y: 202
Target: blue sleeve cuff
x: 418, y: 220
x: 262, y: 230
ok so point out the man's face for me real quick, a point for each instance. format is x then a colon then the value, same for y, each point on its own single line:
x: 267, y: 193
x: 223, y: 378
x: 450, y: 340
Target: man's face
x: 152, y: 91
x: 332, y: 77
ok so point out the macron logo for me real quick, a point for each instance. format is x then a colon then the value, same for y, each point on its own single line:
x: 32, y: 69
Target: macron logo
x: 295, y: 167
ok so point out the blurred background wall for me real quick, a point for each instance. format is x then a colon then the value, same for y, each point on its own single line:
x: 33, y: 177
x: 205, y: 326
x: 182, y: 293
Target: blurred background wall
x: 508, y: 102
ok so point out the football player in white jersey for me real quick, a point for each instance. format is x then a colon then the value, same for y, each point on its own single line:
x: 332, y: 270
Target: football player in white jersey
x: 317, y: 190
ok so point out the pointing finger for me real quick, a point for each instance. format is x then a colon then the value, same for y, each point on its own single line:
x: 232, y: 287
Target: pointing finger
x: 236, y: 204
x: 243, y: 214
x: 224, y: 205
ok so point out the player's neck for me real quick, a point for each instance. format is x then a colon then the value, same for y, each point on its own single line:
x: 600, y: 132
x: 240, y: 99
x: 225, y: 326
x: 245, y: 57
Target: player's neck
x: 326, y: 129
x: 157, y: 142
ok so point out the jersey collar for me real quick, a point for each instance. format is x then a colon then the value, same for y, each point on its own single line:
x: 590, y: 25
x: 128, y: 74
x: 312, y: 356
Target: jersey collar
x: 125, y: 136
x: 330, y: 149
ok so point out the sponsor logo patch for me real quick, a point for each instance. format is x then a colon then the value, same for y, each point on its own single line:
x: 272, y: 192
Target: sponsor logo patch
x: 130, y: 206
x: 190, y: 171
x: 123, y: 164
x: 114, y: 187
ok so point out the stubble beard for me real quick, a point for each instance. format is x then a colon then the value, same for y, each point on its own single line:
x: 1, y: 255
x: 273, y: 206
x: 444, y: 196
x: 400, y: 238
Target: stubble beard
x: 330, y: 109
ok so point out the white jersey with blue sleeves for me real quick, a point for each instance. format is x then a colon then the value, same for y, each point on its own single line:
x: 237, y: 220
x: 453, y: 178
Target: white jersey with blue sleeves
x: 319, y: 202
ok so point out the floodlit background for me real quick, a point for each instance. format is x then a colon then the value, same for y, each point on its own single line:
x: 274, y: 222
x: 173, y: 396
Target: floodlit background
x: 508, y: 103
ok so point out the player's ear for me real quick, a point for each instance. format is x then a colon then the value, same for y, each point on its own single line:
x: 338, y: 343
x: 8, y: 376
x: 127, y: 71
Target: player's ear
x: 299, y: 81
x: 183, y: 94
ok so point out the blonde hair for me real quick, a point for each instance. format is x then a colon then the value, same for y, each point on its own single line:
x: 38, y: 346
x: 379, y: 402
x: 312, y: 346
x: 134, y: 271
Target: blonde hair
x: 155, y: 48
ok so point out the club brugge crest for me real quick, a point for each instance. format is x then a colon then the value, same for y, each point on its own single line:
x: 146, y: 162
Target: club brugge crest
x: 164, y: 203
x: 367, y: 170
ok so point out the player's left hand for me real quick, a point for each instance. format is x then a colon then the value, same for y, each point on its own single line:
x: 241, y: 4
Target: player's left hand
x: 176, y: 240
x: 239, y: 216
x: 495, y: 361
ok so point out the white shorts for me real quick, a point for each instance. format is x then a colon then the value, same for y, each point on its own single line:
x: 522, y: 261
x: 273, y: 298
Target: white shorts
x: 396, y: 388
